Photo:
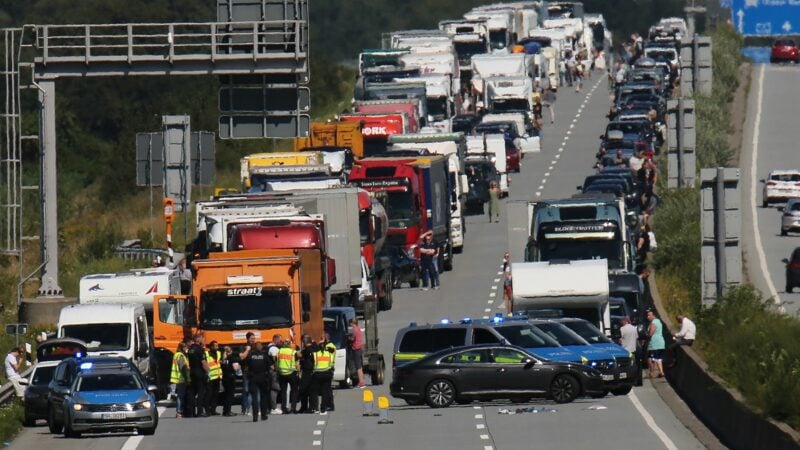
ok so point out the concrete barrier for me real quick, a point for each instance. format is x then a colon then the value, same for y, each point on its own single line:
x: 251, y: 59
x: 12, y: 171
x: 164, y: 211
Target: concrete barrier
x: 720, y: 408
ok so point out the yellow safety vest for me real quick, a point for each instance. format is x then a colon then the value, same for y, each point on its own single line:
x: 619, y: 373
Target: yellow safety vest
x: 286, y: 361
x: 176, y: 375
x: 214, y: 369
x: 323, y: 359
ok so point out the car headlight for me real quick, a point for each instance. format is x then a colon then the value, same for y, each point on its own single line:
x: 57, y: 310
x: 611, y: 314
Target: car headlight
x: 145, y: 404
x: 77, y: 407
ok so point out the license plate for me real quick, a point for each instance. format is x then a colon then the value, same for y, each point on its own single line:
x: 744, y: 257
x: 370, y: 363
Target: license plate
x: 114, y: 416
x: 608, y: 377
x: 623, y: 375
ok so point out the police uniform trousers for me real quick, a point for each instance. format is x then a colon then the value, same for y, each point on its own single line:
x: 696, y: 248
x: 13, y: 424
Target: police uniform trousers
x: 290, y: 382
x: 196, y: 395
x: 321, y: 386
x: 306, y: 381
x: 213, y: 396
x: 260, y: 385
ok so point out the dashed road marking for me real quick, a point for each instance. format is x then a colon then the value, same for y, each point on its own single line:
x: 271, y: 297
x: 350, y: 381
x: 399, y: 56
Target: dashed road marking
x: 485, y: 437
x: 317, y: 432
x: 538, y: 194
x: 547, y: 174
x: 497, y: 280
x: 487, y: 310
x: 320, y: 422
x: 479, y: 416
x: 492, y: 294
x: 491, y: 301
x: 317, y: 443
x: 480, y: 426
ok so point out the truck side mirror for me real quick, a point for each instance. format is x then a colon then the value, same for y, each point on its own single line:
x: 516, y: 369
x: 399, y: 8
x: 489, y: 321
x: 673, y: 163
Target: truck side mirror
x: 305, y: 302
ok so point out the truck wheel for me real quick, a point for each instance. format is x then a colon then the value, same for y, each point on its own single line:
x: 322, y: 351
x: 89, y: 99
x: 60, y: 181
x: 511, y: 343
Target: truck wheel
x: 448, y: 262
x: 414, y: 282
x: 385, y: 301
x: 377, y: 375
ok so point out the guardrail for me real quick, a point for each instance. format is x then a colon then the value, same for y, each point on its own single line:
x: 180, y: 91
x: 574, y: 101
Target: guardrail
x: 7, y: 390
x: 140, y: 253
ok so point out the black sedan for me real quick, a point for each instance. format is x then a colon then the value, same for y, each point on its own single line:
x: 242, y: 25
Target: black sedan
x: 488, y: 372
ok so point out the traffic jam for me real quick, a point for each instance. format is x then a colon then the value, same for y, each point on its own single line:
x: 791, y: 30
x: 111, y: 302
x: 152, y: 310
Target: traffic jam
x: 440, y: 120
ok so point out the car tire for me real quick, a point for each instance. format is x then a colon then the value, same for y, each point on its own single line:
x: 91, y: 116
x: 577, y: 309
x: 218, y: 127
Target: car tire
x: 625, y: 390
x: 52, y: 424
x: 440, y: 393
x: 765, y: 204
x: 29, y: 421
x: 147, y: 431
x: 564, y: 389
x: 414, y: 282
x: 68, y: 432
x: 789, y: 288
x: 784, y: 232
x: 385, y: 301
x: 599, y: 394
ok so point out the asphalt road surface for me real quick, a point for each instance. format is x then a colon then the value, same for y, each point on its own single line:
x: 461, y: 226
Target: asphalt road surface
x: 770, y: 142
x: 639, y: 420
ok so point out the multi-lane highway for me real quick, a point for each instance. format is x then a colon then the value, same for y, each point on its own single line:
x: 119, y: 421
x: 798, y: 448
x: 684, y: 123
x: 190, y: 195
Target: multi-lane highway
x: 769, y: 143
x: 640, y: 420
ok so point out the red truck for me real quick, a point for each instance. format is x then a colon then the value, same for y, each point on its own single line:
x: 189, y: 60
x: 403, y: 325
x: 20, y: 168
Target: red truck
x: 409, y: 107
x: 416, y: 199
x: 376, y: 129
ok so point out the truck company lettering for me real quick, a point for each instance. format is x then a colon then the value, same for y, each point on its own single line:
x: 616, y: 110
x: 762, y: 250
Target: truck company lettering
x: 578, y: 228
x: 377, y: 131
x: 245, y: 292
x: 382, y: 183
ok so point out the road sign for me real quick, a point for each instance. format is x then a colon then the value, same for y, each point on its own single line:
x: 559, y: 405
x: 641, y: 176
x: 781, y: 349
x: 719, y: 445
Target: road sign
x: 766, y: 17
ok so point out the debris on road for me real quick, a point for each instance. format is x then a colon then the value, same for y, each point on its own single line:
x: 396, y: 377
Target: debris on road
x: 532, y: 409
x: 595, y: 407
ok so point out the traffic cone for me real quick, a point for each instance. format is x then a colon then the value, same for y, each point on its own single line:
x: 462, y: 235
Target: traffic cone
x: 383, y: 407
x: 369, y: 404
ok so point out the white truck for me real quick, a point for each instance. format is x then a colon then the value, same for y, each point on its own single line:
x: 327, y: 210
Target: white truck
x: 110, y: 330
x: 508, y: 94
x: 485, y: 66
x: 453, y: 146
x: 500, y: 24
x: 439, y: 100
x: 290, y: 178
x: 493, y: 148
x: 526, y: 143
x: 573, y: 288
x: 136, y: 286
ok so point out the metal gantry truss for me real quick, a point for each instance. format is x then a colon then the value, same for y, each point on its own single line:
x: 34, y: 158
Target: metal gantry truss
x: 274, y: 42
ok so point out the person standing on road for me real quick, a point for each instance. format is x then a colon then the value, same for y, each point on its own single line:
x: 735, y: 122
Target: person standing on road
x: 273, y: 348
x: 213, y: 357
x: 580, y: 72
x: 428, y: 251
x: 198, y: 391
x: 13, y: 363
x: 494, y: 202
x: 655, y: 349
x: 628, y: 335
x: 323, y: 376
x: 549, y: 102
x: 288, y: 379
x: 229, y: 365
x: 247, y: 400
x: 179, y: 379
x: 306, y: 373
x: 356, y: 343
x: 259, y: 364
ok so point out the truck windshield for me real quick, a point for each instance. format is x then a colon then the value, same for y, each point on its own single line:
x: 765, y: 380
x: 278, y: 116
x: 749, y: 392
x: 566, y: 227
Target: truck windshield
x: 526, y: 336
x: 241, y: 308
x: 577, y: 249
x: 437, y: 107
x: 510, y: 105
x: 560, y: 333
x: 337, y: 334
x: 498, y: 39
x: 400, y: 209
x: 465, y: 50
x: 101, y: 337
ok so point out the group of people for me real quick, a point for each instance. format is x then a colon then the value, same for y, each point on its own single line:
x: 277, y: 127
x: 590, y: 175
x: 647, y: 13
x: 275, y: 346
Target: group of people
x: 277, y: 378
x: 652, y: 344
x: 572, y: 70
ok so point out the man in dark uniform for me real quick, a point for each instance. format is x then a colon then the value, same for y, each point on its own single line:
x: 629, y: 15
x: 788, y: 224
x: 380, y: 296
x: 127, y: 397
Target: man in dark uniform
x: 306, y: 373
x: 198, y: 366
x: 259, y: 364
x: 227, y: 363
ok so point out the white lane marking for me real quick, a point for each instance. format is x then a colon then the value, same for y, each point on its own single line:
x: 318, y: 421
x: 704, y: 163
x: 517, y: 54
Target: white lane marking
x: 561, y: 150
x: 479, y: 416
x: 538, y: 194
x: 320, y: 422
x: 491, y: 301
x: 317, y: 432
x: 500, y: 273
x: 558, y: 156
x: 488, y: 447
x: 551, y: 167
x: 485, y: 437
x: 494, y: 288
x: 497, y: 280
x: 132, y: 442
x: 487, y: 310
x: 541, y: 186
x: 485, y: 317
x: 476, y: 407
x: 568, y: 133
x: 317, y: 443
x: 652, y: 423
x: 480, y: 426
x: 572, y: 125
x: 553, y: 161
x: 762, y: 258
x: 547, y: 174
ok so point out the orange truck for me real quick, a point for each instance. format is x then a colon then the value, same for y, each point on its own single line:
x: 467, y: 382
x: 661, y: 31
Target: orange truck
x: 333, y: 134
x: 266, y: 292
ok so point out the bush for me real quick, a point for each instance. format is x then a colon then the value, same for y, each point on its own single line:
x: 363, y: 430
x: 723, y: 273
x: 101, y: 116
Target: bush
x: 10, y: 421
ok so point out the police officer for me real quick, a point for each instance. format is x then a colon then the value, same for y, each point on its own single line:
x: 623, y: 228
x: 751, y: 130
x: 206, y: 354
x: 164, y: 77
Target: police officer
x: 228, y: 364
x: 323, y: 375
x: 213, y: 357
x: 275, y: 388
x: 259, y: 364
x: 287, y: 376
x: 247, y: 401
x: 306, y: 373
x: 179, y: 378
x: 198, y: 387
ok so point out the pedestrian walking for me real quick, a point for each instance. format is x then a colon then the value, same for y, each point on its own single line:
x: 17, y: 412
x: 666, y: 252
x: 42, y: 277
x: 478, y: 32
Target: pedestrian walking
x: 508, y: 293
x: 275, y: 388
x: 562, y: 72
x: 197, y: 393
x: 306, y: 373
x: 549, y: 102
x: 286, y: 365
x: 494, y: 201
x: 356, y: 350
x: 570, y: 68
x: 247, y: 400
x: 323, y: 376
x: 179, y: 379
x: 428, y: 252
x: 229, y: 366
x: 213, y: 357
x: 580, y: 72
x: 655, y: 349
x: 259, y: 364
x: 13, y: 363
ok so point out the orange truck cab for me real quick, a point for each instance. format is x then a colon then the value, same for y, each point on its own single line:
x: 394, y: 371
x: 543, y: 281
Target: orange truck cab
x: 266, y: 292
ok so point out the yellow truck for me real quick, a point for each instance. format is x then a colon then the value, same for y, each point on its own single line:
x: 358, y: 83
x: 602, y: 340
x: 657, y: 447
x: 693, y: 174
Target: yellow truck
x: 256, y: 160
x: 333, y: 134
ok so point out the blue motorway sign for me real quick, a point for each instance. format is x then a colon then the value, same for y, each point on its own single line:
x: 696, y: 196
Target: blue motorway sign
x: 765, y: 17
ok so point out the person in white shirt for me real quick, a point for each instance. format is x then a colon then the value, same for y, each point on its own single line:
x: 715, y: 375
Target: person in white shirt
x: 688, y: 331
x: 628, y: 335
x: 13, y: 362
x: 636, y: 161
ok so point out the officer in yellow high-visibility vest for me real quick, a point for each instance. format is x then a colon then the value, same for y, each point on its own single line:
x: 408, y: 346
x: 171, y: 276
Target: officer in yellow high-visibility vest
x: 179, y: 378
x: 323, y: 375
x: 288, y: 378
x: 213, y: 357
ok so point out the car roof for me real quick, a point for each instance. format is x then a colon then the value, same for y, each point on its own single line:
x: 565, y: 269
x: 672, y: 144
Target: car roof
x: 47, y: 363
x: 784, y: 172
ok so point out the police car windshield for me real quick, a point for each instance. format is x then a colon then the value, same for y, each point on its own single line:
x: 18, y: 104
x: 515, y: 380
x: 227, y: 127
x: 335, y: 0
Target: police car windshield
x: 108, y: 382
x: 561, y: 334
x: 526, y: 336
x: 245, y: 308
x: 587, y: 331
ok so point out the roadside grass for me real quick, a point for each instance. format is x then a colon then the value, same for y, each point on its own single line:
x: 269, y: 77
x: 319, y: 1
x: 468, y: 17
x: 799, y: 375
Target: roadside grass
x: 10, y: 421
x: 748, y: 344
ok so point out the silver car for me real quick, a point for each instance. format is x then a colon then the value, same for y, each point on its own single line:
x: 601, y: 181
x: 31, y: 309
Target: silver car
x: 790, y: 220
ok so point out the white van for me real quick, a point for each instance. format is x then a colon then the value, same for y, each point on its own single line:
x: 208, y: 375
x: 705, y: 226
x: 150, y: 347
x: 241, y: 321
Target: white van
x: 109, y: 330
x: 137, y: 286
